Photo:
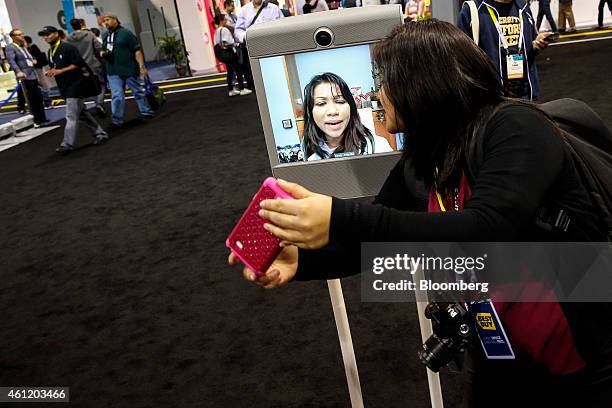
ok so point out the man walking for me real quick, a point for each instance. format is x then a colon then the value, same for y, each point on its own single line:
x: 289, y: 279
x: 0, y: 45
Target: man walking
x: 89, y: 47
x: 566, y: 13
x: 67, y: 67
x: 124, y: 63
x: 600, y: 12
x: 544, y: 10
x: 22, y: 62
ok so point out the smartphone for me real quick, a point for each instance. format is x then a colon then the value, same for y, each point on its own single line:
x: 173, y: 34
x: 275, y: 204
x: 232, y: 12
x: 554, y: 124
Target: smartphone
x: 552, y: 37
x: 249, y: 241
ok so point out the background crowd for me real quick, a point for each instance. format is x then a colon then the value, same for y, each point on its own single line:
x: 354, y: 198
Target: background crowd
x: 81, y: 65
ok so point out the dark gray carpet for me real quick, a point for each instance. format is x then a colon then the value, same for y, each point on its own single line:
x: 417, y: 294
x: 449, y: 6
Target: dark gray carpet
x: 114, y: 281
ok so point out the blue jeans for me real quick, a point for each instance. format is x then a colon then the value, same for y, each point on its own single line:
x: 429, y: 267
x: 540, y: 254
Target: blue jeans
x: 117, y: 86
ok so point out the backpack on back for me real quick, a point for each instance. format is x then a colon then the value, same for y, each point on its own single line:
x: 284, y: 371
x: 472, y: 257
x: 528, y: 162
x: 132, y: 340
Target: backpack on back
x: 590, y: 144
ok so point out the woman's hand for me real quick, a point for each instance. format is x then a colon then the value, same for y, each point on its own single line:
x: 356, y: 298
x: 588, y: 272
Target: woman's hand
x: 281, y: 271
x: 303, y: 222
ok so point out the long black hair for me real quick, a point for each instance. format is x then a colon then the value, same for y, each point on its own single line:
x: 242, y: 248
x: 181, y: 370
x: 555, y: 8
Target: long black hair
x: 355, y: 134
x: 443, y: 87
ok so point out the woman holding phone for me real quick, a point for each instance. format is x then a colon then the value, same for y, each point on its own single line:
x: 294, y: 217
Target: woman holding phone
x: 563, y: 356
x: 332, y: 127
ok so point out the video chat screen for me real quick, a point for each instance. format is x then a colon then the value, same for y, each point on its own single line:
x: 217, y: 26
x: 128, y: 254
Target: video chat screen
x: 324, y: 105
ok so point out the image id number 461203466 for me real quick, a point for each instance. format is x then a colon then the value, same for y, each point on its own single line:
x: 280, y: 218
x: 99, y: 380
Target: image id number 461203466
x: 34, y: 394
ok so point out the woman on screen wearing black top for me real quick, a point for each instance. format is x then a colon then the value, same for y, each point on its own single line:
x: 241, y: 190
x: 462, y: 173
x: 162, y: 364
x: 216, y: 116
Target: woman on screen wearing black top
x: 332, y: 127
x: 563, y: 352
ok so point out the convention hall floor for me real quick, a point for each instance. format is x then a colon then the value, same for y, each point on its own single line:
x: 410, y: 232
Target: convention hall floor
x: 114, y: 281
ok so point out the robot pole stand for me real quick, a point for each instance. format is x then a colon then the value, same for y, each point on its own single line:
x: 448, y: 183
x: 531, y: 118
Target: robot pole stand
x: 435, y: 389
x: 346, y: 342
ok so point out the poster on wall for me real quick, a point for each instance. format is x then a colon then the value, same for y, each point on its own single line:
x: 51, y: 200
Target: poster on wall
x: 86, y: 10
x: 206, y: 12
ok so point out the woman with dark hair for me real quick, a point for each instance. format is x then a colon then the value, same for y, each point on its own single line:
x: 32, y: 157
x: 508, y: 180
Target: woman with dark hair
x: 332, y: 126
x: 563, y: 353
x: 224, y: 45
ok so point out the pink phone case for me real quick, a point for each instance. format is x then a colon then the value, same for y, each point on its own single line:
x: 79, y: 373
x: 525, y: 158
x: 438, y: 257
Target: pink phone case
x: 249, y: 241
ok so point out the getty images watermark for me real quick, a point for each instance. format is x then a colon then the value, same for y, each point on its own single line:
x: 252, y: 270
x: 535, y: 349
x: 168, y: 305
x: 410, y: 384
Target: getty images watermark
x: 512, y: 272
x: 412, y: 264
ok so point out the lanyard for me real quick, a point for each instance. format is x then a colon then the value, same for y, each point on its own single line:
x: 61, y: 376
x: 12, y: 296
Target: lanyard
x: 502, y: 37
x: 439, y: 197
x: 24, y: 52
x: 52, y: 52
x: 111, y: 38
x: 54, y: 49
x: 455, y: 201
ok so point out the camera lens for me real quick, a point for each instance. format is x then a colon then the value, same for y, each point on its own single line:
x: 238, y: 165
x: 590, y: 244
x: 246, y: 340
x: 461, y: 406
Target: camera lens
x: 323, y: 37
x: 436, y: 353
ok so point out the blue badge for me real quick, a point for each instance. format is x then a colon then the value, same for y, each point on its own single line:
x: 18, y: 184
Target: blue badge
x: 490, y: 331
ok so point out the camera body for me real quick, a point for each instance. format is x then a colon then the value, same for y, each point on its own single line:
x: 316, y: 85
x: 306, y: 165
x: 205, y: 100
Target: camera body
x: 324, y: 37
x: 452, y: 334
x: 107, y: 55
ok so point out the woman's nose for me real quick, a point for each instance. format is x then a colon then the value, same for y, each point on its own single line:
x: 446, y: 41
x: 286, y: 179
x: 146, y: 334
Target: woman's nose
x: 332, y: 109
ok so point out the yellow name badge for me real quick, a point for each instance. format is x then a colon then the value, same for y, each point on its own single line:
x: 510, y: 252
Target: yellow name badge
x: 485, y: 321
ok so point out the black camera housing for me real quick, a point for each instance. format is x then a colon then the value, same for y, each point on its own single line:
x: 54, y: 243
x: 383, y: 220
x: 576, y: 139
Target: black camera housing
x: 324, y: 37
x: 452, y: 334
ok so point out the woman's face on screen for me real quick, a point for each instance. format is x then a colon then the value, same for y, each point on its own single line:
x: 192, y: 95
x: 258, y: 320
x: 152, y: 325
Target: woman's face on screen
x: 331, y: 112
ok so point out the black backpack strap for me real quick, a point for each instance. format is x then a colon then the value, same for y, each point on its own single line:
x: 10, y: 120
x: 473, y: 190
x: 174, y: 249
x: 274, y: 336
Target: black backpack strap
x: 263, y: 6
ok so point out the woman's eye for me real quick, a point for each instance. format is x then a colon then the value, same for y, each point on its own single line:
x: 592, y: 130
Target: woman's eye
x: 340, y: 101
x: 320, y: 104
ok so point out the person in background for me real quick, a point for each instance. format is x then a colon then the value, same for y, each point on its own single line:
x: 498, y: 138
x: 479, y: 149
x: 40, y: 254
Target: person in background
x: 513, y: 53
x: 315, y: 6
x: 424, y: 9
x: 363, y: 3
x: 23, y: 63
x: 102, y: 76
x: 40, y: 69
x: 224, y: 48
x: 600, y: 12
x: 67, y: 68
x: 124, y: 63
x: 246, y: 17
x: 286, y: 13
x: 285, y: 10
x: 232, y: 18
x: 230, y: 23
x: 544, y: 10
x: 96, y: 32
x: 89, y: 48
x: 103, y: 29
x: 411, y: 11
x: 248, y: 12
x: 566, y: 13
